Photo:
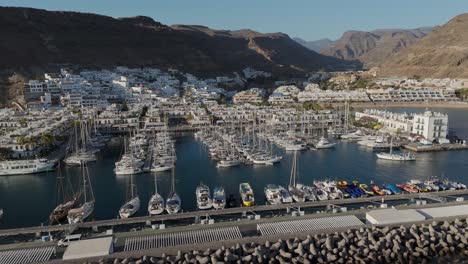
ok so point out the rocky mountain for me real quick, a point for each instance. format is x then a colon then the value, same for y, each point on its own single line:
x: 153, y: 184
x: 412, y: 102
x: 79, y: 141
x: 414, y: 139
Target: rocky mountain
x: 35, y: 40
x: 372, y: 48
x: 315, y: 45
x: 33, y: 37
x: 442, y: 53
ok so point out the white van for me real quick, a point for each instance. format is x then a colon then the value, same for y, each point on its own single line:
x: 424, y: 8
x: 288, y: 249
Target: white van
x: 68, y: 239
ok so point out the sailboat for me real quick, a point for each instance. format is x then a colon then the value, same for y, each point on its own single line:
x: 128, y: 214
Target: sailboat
x: 133, y: 205
x: 82, y: 152
x: 78, y: 215
x: 156, y: 203
x: 395, y: 156
x: 67, y: 201
x: 173, y: 201
x: 296, y: 193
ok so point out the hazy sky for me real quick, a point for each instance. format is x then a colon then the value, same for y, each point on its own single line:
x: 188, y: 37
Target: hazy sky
x: 308, y: 19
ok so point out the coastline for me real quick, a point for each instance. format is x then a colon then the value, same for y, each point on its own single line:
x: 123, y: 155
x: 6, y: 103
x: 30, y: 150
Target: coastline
x: 452, y: 105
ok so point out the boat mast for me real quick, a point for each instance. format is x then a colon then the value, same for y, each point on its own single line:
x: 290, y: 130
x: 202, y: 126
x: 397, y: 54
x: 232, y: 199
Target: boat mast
x: 84, y: 180
x: 173, y: 182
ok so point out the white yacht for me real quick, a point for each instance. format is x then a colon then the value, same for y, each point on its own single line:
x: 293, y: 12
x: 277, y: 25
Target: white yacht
x: 219, y: 198
x: 78, y: 215
x: 203, y: 195
x: 272, y: 194
x: 324, y: 143
x: 17, y: 167
x: 1, y: 213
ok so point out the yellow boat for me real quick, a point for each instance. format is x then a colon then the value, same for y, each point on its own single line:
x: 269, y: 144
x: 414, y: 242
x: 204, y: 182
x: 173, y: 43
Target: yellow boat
x: 246, y: 194
x: 342, y: 183
x: 365, y: 188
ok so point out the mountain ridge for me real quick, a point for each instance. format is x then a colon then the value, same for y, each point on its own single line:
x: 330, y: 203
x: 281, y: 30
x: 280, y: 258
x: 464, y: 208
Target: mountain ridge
x: 442, y: 53
x: 373, y: 47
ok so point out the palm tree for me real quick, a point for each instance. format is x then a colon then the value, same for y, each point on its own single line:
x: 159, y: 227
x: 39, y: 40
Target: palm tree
x: 21, y: 140
x: 47, y: 139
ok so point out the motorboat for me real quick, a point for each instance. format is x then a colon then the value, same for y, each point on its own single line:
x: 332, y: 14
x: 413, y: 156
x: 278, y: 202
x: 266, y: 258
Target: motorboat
x: 272, y: 194
x: 308, y: 192
x: 219, y: 198
x: 324, y: 143
x: 203, y: 196
x: 246, y: 194
x: 285, y: 195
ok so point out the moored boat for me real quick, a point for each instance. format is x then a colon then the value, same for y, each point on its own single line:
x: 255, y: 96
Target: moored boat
x: 18, y: 167
x: 219, y: 198
x: 203, y: 196
x: 272, y: 194
x: 246, y: 194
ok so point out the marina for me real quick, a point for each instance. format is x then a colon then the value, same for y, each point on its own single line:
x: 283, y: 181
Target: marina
x: 312, y: 165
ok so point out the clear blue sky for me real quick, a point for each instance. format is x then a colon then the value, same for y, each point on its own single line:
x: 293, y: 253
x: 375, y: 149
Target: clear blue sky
x: 308, y: 19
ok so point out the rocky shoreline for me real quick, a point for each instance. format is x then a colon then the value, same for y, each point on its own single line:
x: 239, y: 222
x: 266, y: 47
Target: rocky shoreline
x: 420, y: 243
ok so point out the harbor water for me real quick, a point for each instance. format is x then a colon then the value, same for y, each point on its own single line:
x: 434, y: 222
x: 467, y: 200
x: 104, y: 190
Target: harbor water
x: 27, y: 200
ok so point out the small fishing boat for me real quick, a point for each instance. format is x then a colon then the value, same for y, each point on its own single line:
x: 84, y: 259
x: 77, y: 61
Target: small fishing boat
x: 365, y: 188
x: 394, y: 189
x: 219, y: 198
x: 376, y: 189
x: 407, y: 188
x: 246, y: 194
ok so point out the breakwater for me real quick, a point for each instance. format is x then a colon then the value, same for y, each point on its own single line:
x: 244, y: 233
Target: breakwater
x: 418, y: 243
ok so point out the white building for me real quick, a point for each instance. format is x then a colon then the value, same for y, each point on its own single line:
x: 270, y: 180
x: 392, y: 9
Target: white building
x: 431, y: 125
